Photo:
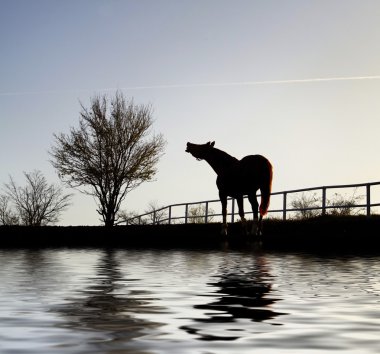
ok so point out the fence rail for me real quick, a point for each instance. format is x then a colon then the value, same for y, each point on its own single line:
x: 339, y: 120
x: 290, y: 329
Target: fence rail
x: 205, y: 214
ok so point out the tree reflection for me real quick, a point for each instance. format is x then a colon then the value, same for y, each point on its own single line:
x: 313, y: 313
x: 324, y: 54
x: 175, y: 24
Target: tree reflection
x: 109, y: 307
x: 242, y: 293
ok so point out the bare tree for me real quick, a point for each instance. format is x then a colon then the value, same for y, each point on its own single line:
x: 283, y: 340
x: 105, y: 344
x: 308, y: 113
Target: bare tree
x: 345, y: 206
x: 7, y: 216
x: 305, y: 205
x: 156, y: 213
x: 130, y: 218
x: 109, y: 154
x: 339, y: 205
x: 37, y: 203
x: 197, y: 214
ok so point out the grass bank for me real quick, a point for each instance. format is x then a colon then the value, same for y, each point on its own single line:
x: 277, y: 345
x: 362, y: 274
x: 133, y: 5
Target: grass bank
x: 352, y: 234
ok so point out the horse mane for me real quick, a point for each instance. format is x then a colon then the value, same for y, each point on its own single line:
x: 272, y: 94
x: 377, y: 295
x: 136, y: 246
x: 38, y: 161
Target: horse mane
x: 220, y: 154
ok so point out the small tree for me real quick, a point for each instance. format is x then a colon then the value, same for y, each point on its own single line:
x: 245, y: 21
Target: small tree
x: 37, y: 203
x: 109, y: 154
x: 7, y: 216
x: 156, y: 213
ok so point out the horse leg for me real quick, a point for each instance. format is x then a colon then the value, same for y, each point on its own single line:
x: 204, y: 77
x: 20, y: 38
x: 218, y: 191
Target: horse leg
x: 256, y: 225
x: 223, y: 200
x: 260, y: 226
x: 240, y: 203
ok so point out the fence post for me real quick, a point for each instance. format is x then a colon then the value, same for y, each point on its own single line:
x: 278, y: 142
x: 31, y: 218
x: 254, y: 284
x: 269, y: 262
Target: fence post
x: 170, y: 214
x: 233, y: 210
x: 368, y: 189
x: 206, y: 212
x: 284, y: 206
x: 186, y: 212
x: 323, y: 200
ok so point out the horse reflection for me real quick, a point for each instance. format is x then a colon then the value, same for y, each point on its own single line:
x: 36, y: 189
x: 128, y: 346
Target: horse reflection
x: 243, y: 295
x: 241, y: 298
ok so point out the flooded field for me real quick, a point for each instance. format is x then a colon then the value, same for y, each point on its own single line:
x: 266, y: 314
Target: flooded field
x: 149, y: 301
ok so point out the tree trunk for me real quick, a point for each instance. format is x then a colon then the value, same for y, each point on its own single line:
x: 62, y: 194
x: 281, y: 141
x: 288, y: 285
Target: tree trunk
x: 108, y: 223
x: 109, y: 219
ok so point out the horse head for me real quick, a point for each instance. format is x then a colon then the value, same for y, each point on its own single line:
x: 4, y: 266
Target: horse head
x: 199, y: 151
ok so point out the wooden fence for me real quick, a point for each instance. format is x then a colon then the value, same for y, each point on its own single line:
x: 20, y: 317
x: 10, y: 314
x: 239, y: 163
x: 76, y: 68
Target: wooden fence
x: 204, y: 213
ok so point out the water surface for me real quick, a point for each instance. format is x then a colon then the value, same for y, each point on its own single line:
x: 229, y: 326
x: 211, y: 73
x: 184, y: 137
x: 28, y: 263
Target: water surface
x: 97, y: 301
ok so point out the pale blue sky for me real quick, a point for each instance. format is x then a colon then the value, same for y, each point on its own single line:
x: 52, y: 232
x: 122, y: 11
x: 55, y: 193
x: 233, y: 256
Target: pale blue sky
x: 192, y: 60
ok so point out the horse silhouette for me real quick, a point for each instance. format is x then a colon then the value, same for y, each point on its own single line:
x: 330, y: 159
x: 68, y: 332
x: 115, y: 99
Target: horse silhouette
x: 237, y: 178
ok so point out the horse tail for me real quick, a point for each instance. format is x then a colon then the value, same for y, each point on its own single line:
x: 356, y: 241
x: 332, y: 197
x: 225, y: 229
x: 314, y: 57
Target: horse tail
x: 266, y: 188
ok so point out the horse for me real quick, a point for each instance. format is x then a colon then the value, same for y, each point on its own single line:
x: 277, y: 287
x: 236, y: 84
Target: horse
x: 237, y: 178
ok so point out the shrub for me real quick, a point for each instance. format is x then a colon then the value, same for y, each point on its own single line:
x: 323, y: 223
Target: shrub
x: 339, y: 205
x: 197, y: 214
x: 304, y: 205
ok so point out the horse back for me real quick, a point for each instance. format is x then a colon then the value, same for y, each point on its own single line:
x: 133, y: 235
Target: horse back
x: 254, y: 169
x: 254, y: 164
x: 250, y: 174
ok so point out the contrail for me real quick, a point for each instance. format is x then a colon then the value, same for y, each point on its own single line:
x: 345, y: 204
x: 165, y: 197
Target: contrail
x: 215, y: 84
x: 252, y: 83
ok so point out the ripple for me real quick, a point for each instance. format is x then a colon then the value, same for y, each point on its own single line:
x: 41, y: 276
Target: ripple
x: 95, y: 301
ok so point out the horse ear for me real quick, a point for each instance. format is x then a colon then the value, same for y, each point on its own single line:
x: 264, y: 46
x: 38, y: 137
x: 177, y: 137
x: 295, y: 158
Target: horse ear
x: 212, y: 144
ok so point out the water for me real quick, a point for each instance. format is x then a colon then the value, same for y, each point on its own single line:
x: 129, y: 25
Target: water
x: 96, y: 301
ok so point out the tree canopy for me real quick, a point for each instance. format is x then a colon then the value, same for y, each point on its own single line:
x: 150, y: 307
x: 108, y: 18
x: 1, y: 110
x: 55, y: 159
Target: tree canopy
x: 110, y: 153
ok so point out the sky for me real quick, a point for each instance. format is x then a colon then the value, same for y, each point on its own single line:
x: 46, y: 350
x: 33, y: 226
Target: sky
x: 297, y: 81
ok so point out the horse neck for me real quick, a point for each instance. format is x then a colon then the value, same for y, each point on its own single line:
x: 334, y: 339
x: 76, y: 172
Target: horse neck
x: 220, y: 161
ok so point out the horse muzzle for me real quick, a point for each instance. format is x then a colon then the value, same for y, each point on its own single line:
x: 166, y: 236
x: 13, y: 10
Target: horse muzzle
x: 188, y: 147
